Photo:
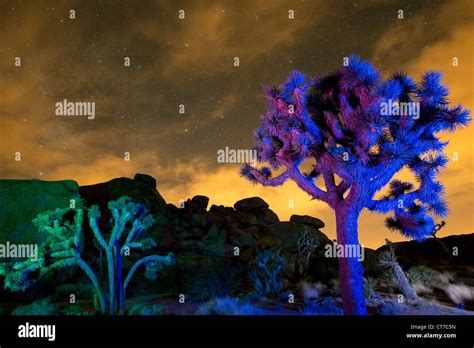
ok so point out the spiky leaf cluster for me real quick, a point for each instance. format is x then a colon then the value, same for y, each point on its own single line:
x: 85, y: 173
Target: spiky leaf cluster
x: 341, y: 123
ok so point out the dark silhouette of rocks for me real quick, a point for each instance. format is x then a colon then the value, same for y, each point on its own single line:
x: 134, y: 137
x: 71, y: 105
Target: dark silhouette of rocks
x: 431, y: 253
x: 216, y: 231
x: 142, y: 189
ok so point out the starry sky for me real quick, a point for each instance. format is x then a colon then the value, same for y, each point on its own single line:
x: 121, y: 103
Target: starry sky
x: 190, y: 61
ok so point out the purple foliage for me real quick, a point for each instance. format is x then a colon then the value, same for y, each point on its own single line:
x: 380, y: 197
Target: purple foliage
x: 337, y: 121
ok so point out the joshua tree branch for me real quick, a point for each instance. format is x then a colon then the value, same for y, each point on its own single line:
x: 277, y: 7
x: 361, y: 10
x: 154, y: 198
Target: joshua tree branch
x: 307, y: 184
x: 167, y: 260
x: 387, y: 205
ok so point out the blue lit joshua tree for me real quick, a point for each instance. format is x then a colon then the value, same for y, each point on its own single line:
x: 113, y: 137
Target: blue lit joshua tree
x: 357, y: 147
x: 62, y: 248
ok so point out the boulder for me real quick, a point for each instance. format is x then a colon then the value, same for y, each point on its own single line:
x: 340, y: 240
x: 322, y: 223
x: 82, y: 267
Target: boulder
x: 142, y: 189
x: 289, y: 232
x: 268, y: 242
x: 198, y: 220
x: 245, y: 239
x: 201, y: 202
x: 250, y: 204
x: 307, y: 220
x: 215, y: 235
x: 145, y: 179
x: 192, y: 246
x: 218, y: 209
x: 246, y: 218
x: 197, y: 233
x: 215, y: 249
x: 266, y: 216
x: 22, y: 200
x: 171, y: 211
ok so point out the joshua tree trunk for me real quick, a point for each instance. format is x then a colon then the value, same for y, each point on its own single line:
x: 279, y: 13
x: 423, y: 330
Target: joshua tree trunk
x: 405, y: 287
x: 350, y: 268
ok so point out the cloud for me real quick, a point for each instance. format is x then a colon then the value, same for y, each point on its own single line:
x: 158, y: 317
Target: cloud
x: 211, y: 35
x: 190, y: 61
x: 403, y: 44
x: 223, y: 107
x: 398, y: 54
x: 404, y: 48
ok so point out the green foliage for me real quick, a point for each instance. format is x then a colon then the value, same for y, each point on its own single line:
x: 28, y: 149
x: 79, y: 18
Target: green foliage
x: 369, y: 285
x: 145, y: 310
x: 387, y: 276
x: 57, y: 251
x: 387, y: 258
x: 63, y: 248
x: 81, y: 289
x: 75, y: 309
x: 421, y: 274
x: 38, y: 307
x: 22, y: 200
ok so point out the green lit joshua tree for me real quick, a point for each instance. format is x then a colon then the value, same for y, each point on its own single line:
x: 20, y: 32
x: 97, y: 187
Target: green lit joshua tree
x: 64, y: 247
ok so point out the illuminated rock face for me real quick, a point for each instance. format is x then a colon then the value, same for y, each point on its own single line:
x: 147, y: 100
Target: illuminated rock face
x: 22, y: 200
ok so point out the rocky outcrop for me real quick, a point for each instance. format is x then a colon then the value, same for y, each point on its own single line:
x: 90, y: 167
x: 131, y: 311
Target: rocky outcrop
x: 22, y: 200
x: 250, y: 204
x: 142, y: 189
x: 307, y: 220
x: 250, y: 225
x: 432, y: 252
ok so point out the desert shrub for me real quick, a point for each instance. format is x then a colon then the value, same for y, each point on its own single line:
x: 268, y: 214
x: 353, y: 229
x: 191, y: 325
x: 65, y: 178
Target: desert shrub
x: 80, y: 289
x: 217, y: 280
x: 387, y: 258
x: 324, y: 306
x: 387, y: 277
x: 194, y: 274
x: 38, y: 307
x: 145, y: 310
x: 444, y: 278
x: 228, y: 306
x: 369, y: 292
x: 391, y: 308
x: 420, y: 288
x: 459, y: 293
x: 421, y: 274
x: 171, y: 279
x: 311, y: 290
x: 307, y: 244
x: 266, y: 276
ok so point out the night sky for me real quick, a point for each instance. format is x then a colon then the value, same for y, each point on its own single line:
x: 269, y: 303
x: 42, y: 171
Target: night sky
x: 190, y: 62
